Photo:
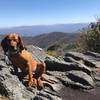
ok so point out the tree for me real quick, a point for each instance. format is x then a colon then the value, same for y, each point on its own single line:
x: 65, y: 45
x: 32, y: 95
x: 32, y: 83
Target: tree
x: 90, y: 39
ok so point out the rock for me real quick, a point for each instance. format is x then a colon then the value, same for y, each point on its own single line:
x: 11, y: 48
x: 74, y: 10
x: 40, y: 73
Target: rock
x: 80, y: 77
x: 11, y: 86
x: 38, y: 53
x: 94, y: 54
x: 88, y: 60
x: 76, y: 79
x: 80, y: 64
x: 75, y: 70
x: 54, y: 64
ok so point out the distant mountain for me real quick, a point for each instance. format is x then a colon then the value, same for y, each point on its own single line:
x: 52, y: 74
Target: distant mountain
x: 46, y: 40
x: 39, y: 29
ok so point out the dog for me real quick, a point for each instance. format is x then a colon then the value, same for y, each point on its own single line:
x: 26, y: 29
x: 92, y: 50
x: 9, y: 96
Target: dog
x: 14, y: 48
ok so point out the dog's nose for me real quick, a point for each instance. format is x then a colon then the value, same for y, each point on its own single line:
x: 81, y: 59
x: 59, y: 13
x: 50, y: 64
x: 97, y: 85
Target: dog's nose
x: 13, y: 47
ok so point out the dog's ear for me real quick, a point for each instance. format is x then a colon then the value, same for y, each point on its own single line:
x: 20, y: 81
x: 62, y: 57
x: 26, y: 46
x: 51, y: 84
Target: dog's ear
x: 20, y: 44
x: 4, y: 44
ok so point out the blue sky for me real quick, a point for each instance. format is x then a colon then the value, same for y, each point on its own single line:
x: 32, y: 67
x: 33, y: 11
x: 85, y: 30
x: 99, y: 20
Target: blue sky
x: 44, y: 12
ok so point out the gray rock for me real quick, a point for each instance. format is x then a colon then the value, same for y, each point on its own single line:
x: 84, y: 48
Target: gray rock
x: 11, y: 86
x: 72, y: 71
x: 55, y: 64
x: 89, y: 60
x: 38, y: 53
x: 94, y: 54
x: 75, y: 79
x: 80, y: 77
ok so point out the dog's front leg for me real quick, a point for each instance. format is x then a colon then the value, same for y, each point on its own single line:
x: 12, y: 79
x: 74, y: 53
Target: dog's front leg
x: 32, y: 81
x: 30, y: 74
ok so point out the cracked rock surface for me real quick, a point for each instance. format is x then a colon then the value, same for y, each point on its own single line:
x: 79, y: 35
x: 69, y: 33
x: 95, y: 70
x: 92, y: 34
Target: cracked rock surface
x: 70, y: 75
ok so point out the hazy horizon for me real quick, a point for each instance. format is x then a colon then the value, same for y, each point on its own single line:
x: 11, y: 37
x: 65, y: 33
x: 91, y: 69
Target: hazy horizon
x: 44, y: 25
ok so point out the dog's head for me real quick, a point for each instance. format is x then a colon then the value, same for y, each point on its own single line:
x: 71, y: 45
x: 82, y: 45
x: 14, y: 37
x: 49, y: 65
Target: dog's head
x: 12, y: 42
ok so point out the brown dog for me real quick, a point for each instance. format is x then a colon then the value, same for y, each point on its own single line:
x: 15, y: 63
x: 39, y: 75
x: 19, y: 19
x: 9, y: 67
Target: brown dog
x: 13, y: 46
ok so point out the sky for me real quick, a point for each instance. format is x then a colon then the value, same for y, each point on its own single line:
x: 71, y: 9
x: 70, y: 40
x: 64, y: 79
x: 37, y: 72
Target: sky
x: 46, y: 12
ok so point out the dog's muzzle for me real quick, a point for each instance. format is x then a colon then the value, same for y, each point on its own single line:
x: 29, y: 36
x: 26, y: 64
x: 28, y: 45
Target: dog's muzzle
x: 13, y: 50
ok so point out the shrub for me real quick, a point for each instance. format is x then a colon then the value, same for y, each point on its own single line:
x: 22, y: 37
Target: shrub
x: 90, y: 39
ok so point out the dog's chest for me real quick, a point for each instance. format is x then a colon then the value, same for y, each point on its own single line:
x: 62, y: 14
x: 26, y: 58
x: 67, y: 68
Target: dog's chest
x: 18, y: 61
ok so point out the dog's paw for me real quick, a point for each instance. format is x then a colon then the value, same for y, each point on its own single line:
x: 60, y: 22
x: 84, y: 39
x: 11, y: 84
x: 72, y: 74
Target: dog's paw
x: 40, y: 84
x: 32, y: 83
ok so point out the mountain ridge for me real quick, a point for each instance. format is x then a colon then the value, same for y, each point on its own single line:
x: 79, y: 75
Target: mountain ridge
x: 45, y: 40
x: 34, y: 30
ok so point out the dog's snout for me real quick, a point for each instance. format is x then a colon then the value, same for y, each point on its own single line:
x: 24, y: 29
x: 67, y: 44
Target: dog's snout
x: 13, y: 47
